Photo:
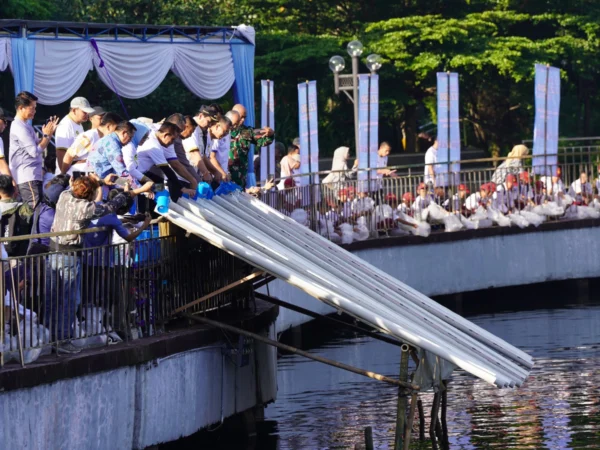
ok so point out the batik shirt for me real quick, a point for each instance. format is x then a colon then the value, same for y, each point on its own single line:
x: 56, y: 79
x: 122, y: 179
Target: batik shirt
x: 106, y: 157
x: 241, y: 139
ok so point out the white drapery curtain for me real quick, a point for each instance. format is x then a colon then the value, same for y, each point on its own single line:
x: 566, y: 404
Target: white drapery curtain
x: 136, y: 69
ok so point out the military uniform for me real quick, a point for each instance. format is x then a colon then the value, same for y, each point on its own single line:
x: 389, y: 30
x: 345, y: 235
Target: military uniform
x: 241, y: 139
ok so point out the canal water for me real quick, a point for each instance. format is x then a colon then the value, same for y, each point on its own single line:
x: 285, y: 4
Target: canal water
x: 322, y: 407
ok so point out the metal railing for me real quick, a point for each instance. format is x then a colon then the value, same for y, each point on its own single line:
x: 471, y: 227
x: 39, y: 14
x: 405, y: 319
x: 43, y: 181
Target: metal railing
x: 346, y: 202
x: 101, y: 295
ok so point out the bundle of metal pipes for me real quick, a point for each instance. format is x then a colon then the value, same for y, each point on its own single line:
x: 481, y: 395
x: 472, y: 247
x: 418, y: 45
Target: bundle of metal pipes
x: 271, y: 241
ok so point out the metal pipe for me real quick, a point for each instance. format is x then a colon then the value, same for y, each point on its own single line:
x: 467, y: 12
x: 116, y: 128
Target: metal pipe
x: 231, y: 224
x: 322, y: 292
x: 416, y: 297
x: 327, y: 263
x: 331, y: 265
x: 335, y: 298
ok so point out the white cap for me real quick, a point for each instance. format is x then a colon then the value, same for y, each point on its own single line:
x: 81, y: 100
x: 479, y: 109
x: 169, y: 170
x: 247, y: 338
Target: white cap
x: 82, y: 104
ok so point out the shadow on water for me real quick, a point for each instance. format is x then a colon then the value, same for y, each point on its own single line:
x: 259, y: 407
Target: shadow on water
x: 321, y: 407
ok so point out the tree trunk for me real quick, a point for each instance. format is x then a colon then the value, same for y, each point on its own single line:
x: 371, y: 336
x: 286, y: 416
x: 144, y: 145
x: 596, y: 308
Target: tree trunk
x: 410, y: 127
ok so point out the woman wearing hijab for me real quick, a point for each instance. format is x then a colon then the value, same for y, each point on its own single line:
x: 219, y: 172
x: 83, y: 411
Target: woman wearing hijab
x: 339, y: 168
x: 513, y: 164
x: 289, y: 164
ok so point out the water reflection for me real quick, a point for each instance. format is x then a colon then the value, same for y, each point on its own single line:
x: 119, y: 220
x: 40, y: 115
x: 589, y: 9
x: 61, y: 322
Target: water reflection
x: 322, y: 407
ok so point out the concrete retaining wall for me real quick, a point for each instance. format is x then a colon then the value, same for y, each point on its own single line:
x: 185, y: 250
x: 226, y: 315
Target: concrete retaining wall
x: 138, y: 406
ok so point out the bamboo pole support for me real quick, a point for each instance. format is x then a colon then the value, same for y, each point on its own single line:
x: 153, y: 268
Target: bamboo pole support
x: 411, y: 419
x: 402, y: 400
x: 434, y: 416
x: 369, y: 438
x: 235, y: 284
x: 421, y: 420
x: 297, y: 351
x: 445, y: 438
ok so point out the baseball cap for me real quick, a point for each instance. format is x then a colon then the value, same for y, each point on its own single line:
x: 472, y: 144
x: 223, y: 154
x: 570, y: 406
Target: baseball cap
x: 407, y: 197
x: 82, y: 104
x: 98, y: 111
x: 510, y: 177
x: 421, y: 186
x: 296, y: 141
x: 485, y: 187
x: 462, y: 187
x: 391, y: 197
x: 4, y: 116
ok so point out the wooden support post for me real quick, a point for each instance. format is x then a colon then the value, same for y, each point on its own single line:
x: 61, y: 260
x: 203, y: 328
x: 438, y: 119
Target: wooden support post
x: 369, y: 438
x: 401, y: 412
x: 411, y: 419
x: 297, y: 351
x: 421, y: 420
x: 445, y: 439
x: 434, y: 416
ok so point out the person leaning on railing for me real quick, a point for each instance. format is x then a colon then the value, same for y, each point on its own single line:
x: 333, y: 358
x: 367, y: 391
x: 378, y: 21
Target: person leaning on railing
x: 512, y: 164
x: 75, y: 210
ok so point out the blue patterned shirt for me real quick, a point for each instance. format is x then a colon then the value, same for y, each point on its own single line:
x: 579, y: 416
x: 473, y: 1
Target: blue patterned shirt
x: 107, y: 157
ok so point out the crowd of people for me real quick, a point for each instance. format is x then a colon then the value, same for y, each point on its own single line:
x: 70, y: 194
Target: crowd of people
x: 347, y: 209
x: 104, y: 177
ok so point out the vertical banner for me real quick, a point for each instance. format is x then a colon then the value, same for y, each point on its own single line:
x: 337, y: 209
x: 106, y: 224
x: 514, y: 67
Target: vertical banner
x: 368, y: 130
x: 374, y: 128
x: 309, y: 131
x: 267, y: 154
x: 448, y: 130
x: 364, y: 158
x: 547, y: 107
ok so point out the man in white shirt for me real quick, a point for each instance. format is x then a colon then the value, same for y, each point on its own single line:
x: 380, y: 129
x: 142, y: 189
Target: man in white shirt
x: 218, y: 143
x: 581, y: 190
x: 4, y: 119
x: 195, y: 146
x: 157, y: 151
x: 75, y: 160
x: 70, y: 127
x: 431, y: 163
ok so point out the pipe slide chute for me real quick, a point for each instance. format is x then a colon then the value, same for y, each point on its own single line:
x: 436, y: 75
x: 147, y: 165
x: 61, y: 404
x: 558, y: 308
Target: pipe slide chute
x: 258, y: 234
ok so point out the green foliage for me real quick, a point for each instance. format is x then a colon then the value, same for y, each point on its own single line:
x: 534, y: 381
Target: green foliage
x: 492, y: 44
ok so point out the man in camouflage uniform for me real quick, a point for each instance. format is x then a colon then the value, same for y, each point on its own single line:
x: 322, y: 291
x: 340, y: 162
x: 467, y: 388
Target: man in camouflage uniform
x: 242, y: 136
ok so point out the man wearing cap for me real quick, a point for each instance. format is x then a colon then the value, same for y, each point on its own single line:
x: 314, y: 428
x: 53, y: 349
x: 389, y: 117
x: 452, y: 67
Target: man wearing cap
x: 26, y: 150
x: 242, y: 136
x: 4, y: 119
x: 506, y: 195
x: 96, y: 116
x: 70, y: 127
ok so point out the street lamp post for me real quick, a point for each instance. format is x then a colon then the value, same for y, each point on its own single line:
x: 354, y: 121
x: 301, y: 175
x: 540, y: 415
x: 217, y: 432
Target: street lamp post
x: 347, y: 83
